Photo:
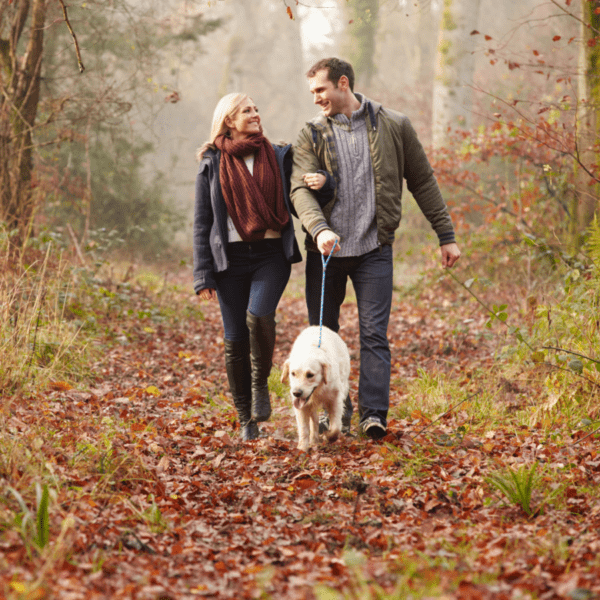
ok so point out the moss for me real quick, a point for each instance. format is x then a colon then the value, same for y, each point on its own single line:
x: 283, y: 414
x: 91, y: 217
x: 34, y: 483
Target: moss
x: 444, y: 49
x: 594, y: 56
x: 448, y: 22
x: 364, y: 15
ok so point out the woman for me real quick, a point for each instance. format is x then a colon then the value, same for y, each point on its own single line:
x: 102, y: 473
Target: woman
x: 244, y: 245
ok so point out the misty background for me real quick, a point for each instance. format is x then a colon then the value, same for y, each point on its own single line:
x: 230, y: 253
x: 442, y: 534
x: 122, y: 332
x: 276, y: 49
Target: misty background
x: 114, y: 145
x: 393, y: 45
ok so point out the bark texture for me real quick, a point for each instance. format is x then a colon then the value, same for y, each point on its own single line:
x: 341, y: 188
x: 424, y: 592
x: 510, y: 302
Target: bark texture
x: 587, y: 188
x: 20, y: 84
x: 452, y: 96
x: 363, y: 20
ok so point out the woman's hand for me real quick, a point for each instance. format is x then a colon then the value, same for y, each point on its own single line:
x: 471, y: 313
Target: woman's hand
x: 315, y: 181
x: 207, y: 294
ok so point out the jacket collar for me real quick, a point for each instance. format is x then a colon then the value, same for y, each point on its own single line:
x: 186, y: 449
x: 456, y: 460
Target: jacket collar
x: 281, y: 151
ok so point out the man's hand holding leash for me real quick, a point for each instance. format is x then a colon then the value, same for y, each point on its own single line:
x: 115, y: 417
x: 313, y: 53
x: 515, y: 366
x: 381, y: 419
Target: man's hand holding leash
x: 325, y: 240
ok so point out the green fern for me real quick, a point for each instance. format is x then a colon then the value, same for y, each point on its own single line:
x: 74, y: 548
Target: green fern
x: 517, y: 485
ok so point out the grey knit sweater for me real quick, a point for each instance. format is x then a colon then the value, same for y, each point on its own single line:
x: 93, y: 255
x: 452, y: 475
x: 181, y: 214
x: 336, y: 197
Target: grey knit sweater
x: 353, y: 216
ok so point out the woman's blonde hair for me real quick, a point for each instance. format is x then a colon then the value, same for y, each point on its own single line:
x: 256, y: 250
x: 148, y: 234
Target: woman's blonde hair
x: 226, y: 107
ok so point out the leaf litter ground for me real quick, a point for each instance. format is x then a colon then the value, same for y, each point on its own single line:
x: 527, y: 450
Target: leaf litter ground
x: 168, y: 503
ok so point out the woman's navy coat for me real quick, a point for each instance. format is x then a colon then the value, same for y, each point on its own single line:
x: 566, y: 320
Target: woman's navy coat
x: 210, y: 216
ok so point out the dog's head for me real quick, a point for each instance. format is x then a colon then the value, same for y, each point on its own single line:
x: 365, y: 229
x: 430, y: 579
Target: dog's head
x: 304, y: 378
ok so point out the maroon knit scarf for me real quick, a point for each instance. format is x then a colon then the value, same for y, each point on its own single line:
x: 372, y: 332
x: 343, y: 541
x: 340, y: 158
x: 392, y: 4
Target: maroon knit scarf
x: 254, y: 202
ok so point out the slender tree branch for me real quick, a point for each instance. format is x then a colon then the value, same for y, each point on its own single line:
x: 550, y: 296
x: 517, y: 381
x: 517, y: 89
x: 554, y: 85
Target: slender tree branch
x: 574, y: 16
x: 17, y: 110
x: 77, y: 51
x: 487, y: 308
x: 571, y: 372
x: 585, y: 436
x: 448, y: 411
x: 75, y: 244
x: 571, y: 352
x: 88, y: 171
x: 560, y: 145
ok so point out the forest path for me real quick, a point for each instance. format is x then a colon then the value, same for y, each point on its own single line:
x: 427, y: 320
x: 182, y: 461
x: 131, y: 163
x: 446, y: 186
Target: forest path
x: 169, y: 504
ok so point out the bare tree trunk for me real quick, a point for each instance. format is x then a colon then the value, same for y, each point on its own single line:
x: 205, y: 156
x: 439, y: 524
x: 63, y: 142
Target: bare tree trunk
x: 20, y: 86
x: 362, y: 16
x: 452, y: 98
x: 587, y: 192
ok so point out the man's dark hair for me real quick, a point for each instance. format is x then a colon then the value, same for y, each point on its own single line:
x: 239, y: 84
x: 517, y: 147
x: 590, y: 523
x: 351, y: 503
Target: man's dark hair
x: 335, y: 69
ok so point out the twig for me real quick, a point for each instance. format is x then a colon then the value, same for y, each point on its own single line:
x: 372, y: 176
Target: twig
x: 585, y: 436
x: 88, y: 171
x: 574, y: 16
x: 355, y: 507
x: 559, y: 368
x: 35, y: 334
x: 560, y: 146
x: 77, y: 51
x: 571, y: 352
x: 75, y: 243
x: 479, y: 301
x: 448, y: 411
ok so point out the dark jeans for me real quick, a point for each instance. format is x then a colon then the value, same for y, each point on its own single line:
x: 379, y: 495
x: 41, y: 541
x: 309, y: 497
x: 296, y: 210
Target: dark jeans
x: 372, y: 277
x: 254, y: 281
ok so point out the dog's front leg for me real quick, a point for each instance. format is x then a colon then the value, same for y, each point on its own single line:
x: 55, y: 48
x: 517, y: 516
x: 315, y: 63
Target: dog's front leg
x: 303, y: 432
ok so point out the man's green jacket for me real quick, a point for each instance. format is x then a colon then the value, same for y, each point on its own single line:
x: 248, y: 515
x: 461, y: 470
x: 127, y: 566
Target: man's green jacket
x: 396, y: 153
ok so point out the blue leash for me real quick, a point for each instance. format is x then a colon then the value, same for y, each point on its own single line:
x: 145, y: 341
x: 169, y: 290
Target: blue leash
x: 323, y: 289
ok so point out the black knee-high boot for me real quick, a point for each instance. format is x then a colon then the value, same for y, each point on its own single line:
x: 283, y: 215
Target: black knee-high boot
x: 237, y: 364
x: 262, y: 343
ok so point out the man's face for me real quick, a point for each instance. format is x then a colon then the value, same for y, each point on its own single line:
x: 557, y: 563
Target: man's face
x: 330, y: 98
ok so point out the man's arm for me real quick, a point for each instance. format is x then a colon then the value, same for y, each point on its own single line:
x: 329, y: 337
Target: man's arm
x: 307, y: 207
x: 423, y: 185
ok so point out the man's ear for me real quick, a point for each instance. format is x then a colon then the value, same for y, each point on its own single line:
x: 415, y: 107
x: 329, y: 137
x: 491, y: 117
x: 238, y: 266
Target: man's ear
x: 343, y: 83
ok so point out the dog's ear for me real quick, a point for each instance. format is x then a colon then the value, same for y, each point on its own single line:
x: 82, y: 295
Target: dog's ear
x: 285, y: 373
x: 324, y: 369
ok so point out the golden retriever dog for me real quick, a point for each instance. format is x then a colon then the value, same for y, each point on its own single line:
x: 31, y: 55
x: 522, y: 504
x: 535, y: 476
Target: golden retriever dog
x: 318, y: 378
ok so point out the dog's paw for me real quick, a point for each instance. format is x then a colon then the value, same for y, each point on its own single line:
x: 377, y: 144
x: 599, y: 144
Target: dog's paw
x: 303, y: 446
x: 332, y: 435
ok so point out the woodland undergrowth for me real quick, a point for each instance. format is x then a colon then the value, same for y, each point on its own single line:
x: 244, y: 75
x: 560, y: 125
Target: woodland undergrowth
x: 122, y: 474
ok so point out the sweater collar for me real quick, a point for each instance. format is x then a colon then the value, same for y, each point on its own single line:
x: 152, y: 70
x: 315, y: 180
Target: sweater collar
x: 342, y: 119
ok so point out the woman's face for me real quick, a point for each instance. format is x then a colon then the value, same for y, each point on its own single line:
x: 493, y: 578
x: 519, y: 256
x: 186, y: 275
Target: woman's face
x: 245, y: 122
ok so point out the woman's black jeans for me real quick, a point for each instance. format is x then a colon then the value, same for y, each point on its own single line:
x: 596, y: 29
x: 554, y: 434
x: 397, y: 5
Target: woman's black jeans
x: 254, y: 281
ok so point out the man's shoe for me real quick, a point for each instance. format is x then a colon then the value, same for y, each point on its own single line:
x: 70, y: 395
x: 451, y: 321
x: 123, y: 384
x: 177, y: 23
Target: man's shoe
x: 372, y: 428
x: 324, y: 423
x: 347, y: 416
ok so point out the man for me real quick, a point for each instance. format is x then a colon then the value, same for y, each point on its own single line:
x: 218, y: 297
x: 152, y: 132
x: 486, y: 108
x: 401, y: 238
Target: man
x: 369, y: 150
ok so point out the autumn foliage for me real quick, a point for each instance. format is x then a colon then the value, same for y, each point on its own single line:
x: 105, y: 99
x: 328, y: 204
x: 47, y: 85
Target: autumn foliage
x: 151, y: 494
